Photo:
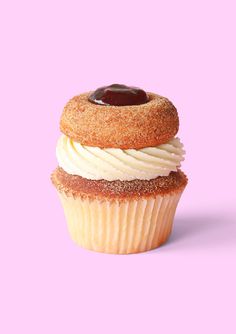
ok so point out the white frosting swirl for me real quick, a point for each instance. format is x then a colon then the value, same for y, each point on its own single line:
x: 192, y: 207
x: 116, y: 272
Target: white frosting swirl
x: 112, y: 164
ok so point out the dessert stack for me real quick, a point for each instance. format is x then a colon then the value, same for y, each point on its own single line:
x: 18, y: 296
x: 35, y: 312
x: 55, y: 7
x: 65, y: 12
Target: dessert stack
x: 118, y: 174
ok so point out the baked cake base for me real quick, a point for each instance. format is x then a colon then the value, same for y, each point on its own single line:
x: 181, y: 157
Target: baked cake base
x: 119, y: 217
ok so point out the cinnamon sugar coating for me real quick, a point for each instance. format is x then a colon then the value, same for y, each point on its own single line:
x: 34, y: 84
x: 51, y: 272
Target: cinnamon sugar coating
x: 137, y: 126
x: 77, y: 186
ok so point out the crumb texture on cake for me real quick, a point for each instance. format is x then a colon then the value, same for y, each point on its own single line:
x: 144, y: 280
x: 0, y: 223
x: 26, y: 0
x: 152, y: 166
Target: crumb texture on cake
x: 137, y: 126
x: 77, y: 186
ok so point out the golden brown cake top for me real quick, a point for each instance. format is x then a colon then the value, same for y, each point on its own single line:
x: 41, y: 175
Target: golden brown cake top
x: 124, y: 126
x: 73, y: 185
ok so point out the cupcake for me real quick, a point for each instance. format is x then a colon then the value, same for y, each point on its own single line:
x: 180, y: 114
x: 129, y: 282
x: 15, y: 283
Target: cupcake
x: 118, y: 175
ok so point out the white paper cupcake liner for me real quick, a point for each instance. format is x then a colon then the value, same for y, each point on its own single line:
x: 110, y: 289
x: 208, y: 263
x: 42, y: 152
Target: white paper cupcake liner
x: 120, y: 227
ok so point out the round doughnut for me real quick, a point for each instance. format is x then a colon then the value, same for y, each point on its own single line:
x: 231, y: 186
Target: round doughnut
x: 136, y: 126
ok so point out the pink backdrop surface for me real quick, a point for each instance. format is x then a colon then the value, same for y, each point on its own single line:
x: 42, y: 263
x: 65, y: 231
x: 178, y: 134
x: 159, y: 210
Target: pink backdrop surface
x: 52, y: 50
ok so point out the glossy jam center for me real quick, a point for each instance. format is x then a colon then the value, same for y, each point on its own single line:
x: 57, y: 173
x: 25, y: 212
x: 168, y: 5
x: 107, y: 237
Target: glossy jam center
x: 118, y: 95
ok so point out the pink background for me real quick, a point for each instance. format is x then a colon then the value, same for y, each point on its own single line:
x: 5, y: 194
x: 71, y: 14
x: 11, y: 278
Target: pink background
x: 52, y: 50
